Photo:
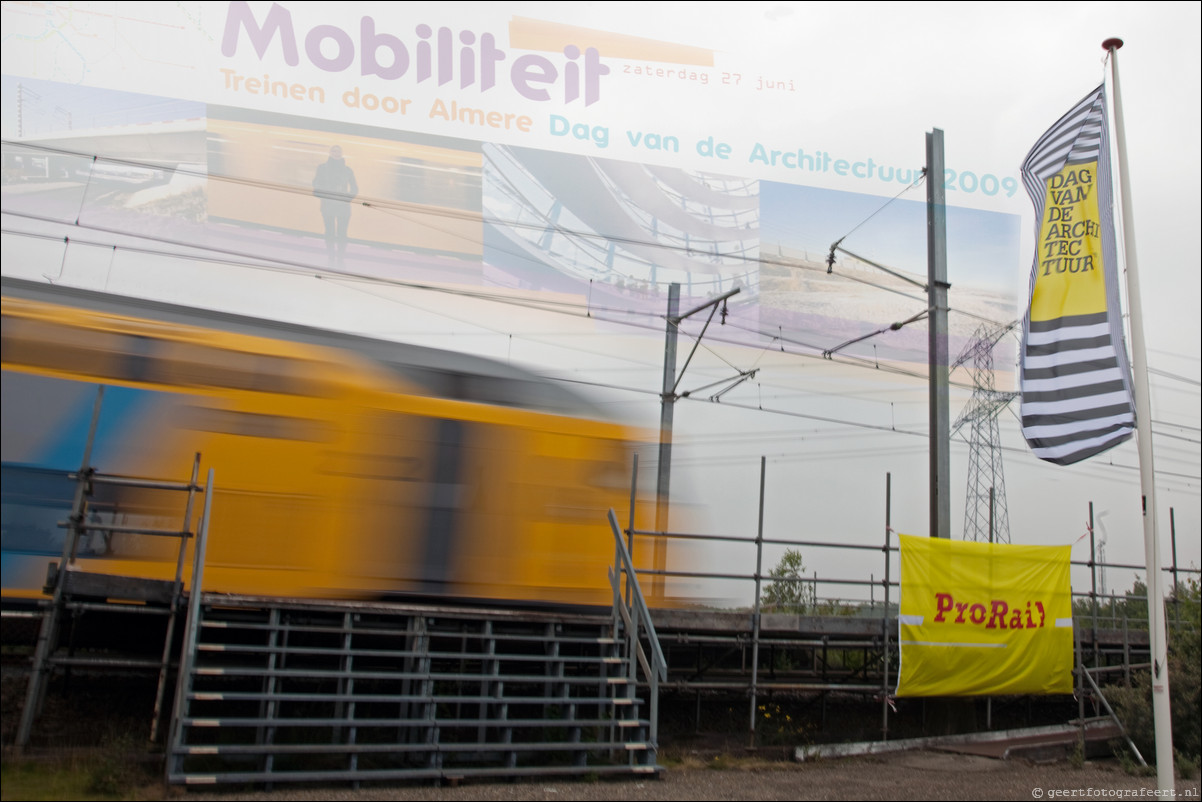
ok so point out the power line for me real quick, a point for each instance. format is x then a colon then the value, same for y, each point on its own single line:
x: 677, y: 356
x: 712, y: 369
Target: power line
x: 415, y: 210
x: 562, y: 307
x: 835, y: 245
x: 1175, y: 376
x: 276, y: 264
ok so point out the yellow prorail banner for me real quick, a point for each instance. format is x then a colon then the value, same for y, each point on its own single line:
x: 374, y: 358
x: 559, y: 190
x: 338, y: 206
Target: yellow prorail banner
x: 981, y: 619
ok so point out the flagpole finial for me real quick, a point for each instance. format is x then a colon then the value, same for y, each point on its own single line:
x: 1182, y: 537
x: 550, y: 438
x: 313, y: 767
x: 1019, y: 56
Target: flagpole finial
x: 1114, y: 43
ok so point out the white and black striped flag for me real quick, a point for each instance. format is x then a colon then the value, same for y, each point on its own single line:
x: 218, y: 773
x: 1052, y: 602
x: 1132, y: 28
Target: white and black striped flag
x: 1075, y: 378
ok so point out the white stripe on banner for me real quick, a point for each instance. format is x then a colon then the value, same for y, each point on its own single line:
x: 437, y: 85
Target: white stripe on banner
x: 1053, y: 453
x: 1068, y: 357
x: 1064, y: 622
x: 958, y: 645
x: 1076, y: 404
x: 1071, y: 380
x: 1091, y: 425
x: 910, y: 620
x: 1068, y: 333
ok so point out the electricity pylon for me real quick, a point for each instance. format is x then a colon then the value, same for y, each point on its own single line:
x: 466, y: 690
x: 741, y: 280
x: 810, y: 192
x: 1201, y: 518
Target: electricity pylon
x: 985, y: 515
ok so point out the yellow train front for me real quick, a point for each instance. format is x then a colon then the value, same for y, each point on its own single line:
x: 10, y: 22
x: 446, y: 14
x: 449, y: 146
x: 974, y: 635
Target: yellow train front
x: 344, y: 467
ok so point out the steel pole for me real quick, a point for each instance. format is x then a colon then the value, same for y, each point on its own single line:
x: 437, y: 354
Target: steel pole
x: 1157, y: 636
x: 667, y: 407
x: 940, y: 478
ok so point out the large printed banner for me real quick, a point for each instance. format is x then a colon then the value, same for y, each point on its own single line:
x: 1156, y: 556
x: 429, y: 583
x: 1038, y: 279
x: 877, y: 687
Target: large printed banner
x: 487, y: 148
x: 983, y: 619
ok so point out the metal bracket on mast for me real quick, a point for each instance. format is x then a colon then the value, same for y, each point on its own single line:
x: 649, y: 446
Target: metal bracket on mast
x: 669, y: 393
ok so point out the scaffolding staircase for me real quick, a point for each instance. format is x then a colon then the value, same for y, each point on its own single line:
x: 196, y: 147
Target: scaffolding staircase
x: 275, y: 691
x: 300, y: 692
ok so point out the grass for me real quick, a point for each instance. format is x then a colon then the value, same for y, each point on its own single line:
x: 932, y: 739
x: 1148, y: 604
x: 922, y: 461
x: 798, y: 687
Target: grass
x: 113, y: 773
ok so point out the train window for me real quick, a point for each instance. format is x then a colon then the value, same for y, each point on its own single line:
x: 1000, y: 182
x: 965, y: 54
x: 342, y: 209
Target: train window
x: 135, y: 357
x: 77, y: 350
x: 500, y: 390
x: 252, y: 424
x: 205, y: 366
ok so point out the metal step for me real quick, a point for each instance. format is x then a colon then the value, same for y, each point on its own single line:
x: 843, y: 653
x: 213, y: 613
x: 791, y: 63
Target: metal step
x: 387, y: 775
x: 304, y: 692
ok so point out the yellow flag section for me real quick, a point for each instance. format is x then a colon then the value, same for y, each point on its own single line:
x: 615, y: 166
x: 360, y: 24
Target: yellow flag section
x: 1069, y: 279
x: 983, y: 619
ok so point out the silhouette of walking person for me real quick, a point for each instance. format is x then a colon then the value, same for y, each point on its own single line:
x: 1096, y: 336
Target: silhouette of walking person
x: 335, y: 185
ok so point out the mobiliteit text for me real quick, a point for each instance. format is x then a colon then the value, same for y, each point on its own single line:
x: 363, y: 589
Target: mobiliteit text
x: 435, y: 56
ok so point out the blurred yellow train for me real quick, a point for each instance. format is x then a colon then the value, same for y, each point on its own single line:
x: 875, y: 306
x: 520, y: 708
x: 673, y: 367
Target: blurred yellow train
x: 345, y: 467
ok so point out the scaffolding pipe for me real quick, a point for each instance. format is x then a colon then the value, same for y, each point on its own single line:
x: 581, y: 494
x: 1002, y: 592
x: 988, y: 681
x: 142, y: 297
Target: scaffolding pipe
x: 755, y: 618
x: 48, y: 633
x: 885, y: 614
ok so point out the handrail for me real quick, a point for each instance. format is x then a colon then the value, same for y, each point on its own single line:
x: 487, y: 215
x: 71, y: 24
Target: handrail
x: 189, y: 647
x: 631, y: 610
x: 624, y: 564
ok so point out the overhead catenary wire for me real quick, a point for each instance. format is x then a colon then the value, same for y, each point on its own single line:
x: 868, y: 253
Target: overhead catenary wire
x: 565, y: 308
x: 830, y: 260
x: 231, y: 257
x: 549, y: 305
x: 1175, y: 377
x: 275, y: 264
x: 426, y: 213
x: 541, y: 305
x: 919, y: 432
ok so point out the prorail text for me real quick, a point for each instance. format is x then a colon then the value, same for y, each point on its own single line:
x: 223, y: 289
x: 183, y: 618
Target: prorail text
x: 992, y: 617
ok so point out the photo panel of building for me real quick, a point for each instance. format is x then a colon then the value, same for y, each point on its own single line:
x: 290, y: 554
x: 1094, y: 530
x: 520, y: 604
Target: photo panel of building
x: 616, y: 229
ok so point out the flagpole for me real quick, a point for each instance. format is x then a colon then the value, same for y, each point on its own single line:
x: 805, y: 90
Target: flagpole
x: 1157, y: 640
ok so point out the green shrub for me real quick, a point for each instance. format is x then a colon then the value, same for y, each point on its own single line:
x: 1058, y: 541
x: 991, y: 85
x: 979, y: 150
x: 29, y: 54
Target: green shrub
x: 1134, y: 705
